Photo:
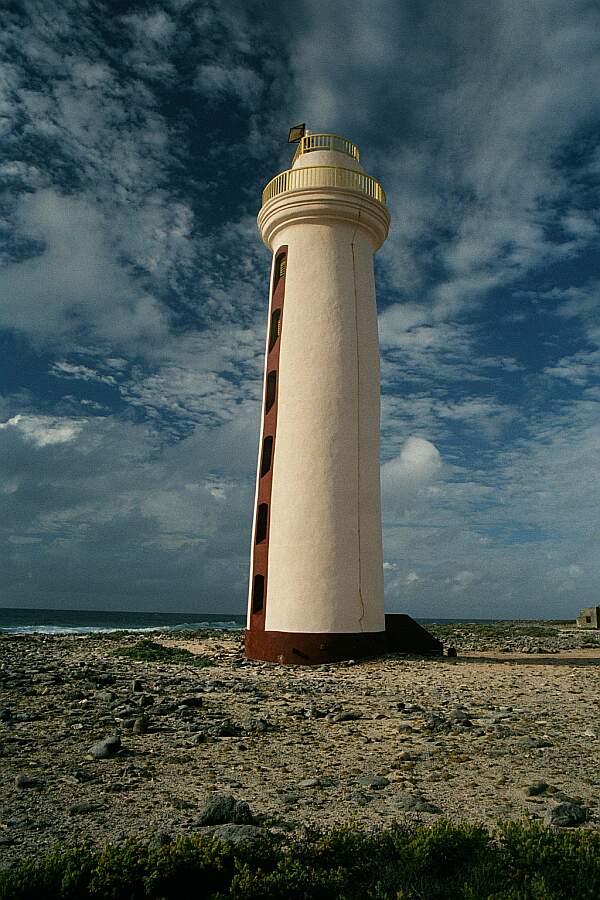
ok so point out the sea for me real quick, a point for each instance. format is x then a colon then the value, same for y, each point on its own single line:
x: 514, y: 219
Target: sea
x: 74, y: 621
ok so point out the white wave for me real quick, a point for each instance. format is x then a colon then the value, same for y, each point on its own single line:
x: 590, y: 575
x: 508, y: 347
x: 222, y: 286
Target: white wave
x: 106, y: 629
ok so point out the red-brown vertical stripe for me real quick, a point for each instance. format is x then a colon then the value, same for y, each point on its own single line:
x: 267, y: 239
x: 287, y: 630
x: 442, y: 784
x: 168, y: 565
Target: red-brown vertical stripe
x: 261, y: 551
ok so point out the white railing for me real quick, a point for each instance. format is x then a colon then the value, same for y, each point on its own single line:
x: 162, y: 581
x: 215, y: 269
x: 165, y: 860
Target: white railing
x: 323, y: 176
x: 326, y: 142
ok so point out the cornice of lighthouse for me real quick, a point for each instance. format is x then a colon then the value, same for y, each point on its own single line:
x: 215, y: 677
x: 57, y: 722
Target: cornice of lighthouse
x: 325, y: 184
x: 320, y: 205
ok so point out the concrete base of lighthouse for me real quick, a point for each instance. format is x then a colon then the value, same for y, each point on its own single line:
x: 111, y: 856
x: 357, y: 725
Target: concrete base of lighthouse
x: 312, y: 649
x: 402, y: 635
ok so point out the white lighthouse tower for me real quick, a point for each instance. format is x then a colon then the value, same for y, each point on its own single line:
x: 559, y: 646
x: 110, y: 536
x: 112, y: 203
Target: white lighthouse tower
x: 316, y: 583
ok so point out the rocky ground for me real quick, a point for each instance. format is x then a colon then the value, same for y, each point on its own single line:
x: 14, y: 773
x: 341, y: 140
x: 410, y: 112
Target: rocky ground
x: 95, y: 744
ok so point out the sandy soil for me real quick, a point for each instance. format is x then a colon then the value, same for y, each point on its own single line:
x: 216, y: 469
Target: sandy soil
x: 468, y: 738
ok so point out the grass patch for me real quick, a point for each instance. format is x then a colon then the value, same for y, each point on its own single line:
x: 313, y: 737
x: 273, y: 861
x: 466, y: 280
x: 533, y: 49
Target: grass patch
x: 404, y: 862
x: 149, y: 651
x: 499, y: 631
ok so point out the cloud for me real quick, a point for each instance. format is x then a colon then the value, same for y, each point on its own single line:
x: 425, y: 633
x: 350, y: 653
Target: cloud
x: 470, y: 115
x: 175, y: 533
x: 218, y: 81
x: 44, y: 430
x: 75, y: 282
x: 419, y: 460
x: 81, y: 373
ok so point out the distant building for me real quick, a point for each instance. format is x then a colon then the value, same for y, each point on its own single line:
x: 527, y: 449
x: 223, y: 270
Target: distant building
x: 589, y: 617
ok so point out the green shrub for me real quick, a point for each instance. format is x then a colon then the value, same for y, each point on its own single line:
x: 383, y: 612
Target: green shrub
x: 149, y: 651
x: 404, y: 862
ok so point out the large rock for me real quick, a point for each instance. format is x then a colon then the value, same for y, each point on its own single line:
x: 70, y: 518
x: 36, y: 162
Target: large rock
x: 106, y: 748
x: 537, y: 788
x: 236, y: 834
x: 568, y: 815
x: 410, y: 803
x: 225, y: 809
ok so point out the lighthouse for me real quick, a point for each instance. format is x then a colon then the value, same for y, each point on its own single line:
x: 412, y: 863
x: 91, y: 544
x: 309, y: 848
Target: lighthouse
x: 316, y: 578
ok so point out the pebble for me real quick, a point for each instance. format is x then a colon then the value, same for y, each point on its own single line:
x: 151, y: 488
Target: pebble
x: 27, y: 781
x: 376, y: 782
x: 80, y: 809
x: 346, y: 717
x: 533, y: 743
x: 140, y: 726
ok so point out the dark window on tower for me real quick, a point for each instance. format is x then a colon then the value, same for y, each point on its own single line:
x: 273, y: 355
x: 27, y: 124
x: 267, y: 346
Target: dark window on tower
x: 271, y: 392
x: 267, y: 455
x: 258, y: 593
x: 280, y: 269
x: 261, y: 522
x: 588, y: 619
x: 275, y: 328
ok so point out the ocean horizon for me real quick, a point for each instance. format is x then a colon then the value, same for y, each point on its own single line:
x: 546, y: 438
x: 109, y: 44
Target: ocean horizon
x: 15, y: 620
x: 73, y: 621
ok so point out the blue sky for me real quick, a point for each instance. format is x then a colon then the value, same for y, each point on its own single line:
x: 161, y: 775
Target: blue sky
x: 135, y: 140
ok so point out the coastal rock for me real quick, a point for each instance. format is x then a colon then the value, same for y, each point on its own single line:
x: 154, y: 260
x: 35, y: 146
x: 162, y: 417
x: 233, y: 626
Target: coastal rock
x: 567, y: 815
x: 104, y: 696
x: 193, y: 702
x: 533, y: 743
x: 140, y: 725
x: 537, y: 788
x: 85, y: 807
x: 106, y: 748
x: 23, y: 781
x: 411, y: 803
x: 376, y: 782
x: 236, y: 833
x: 227, y: 729
x: 346, y: 716
x: 309, y: 783
x: 225, y: 809
x: 159, y: 839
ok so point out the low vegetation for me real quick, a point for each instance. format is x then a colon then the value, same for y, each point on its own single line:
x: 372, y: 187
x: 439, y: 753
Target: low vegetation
x: 497, y: 631
x: 149, y: 651
x: 403, y: 862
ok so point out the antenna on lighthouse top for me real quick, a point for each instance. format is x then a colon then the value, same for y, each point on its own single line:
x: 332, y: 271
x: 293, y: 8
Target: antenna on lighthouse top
x: 296, y: 133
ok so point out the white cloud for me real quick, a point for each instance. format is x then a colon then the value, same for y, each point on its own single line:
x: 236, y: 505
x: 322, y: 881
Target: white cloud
x: 83, y: 373
x: 419, y: 460
x: 76, y: 281
x: 45, y: 430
